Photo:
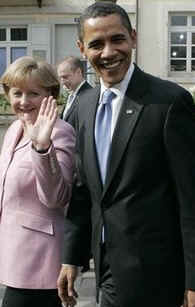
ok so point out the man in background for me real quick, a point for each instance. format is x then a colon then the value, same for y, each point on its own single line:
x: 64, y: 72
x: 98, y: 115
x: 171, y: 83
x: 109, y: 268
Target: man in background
x: 71, y: 74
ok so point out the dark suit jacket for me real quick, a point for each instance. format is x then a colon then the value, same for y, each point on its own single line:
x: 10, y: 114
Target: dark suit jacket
x: 70, y: 114
x: 70, y: 118
x: 147, y: 205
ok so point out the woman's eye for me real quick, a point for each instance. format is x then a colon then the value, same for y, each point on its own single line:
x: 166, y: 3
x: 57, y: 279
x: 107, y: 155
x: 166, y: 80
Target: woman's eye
x: 17, y: 94
x: 34, y: 94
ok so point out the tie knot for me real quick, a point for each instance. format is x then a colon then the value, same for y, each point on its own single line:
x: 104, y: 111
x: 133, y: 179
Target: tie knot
x: 107, y: 97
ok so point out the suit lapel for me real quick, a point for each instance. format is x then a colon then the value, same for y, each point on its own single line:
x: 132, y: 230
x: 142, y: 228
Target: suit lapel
x: 73, y: 105
x: 128, y: 117
x: 131, y: 110
x: 14, y: 139
x: 92, y: 162
x: 75, y: 101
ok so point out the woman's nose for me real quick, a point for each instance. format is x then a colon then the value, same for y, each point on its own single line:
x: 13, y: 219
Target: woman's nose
x: 24, y: 99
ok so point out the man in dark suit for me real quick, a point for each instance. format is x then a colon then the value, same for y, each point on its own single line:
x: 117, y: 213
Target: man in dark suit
x: 71, y: 74
x: 142, y: 211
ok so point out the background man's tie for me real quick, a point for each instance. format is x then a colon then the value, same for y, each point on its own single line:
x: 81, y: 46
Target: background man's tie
x: 103, y: 131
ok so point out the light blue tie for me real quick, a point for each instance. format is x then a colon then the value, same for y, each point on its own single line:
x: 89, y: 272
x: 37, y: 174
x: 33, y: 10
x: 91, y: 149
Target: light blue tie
x: 103, y: 131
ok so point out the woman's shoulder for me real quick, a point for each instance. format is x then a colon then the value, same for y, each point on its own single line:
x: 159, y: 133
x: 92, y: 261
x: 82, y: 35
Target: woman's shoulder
x: 14, y: 127
x: 63, y: 128
x: 61, y: 124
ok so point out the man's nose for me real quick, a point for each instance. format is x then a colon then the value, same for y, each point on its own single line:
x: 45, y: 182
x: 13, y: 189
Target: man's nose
x: 108, y: 50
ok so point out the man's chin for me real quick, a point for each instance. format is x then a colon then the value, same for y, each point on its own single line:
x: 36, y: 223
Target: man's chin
x: 112, y: 81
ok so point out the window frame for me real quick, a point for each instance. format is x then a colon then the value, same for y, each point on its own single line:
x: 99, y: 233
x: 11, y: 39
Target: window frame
x: 189, y: 29
x: 8, y: 44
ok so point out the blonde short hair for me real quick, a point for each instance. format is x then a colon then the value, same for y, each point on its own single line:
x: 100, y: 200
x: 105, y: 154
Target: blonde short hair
x: 27, y: 68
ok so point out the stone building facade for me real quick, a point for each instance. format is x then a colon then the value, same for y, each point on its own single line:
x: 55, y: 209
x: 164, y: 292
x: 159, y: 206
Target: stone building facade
x: 46, y: 29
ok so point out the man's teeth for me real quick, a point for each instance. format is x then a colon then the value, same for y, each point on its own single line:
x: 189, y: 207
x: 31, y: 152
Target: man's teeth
x: 111, y: 65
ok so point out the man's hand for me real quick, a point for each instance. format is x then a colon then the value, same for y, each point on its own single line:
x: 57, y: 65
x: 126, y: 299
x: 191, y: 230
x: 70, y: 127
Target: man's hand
x: 65, y: 284
x: 189, y: 299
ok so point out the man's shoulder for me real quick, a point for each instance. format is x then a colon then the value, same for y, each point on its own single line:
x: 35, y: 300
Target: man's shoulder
x: 87, y: 100
x: 89, y: 92
x: 157, y: 84
x: 85, y: 86
x: 154, y: 89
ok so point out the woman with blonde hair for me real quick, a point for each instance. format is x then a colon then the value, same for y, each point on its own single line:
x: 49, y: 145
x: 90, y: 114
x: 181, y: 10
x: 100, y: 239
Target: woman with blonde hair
x: 36, y: 171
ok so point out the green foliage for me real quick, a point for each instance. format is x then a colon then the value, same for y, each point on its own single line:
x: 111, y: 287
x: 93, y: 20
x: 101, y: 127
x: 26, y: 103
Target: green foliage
x: 63, y: 97
x: 61, y: 100
x: 4, y: 103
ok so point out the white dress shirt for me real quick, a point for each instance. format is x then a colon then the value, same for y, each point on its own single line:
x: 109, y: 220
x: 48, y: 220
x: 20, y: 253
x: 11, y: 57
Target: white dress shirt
x: 71, y: 98
x: 120, y: 90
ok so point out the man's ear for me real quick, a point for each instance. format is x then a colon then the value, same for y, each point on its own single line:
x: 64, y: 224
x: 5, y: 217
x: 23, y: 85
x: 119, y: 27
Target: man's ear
x: 81, y: 47
x: 134, y: 38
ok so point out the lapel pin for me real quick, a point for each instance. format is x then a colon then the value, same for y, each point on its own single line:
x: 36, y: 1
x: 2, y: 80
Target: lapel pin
x: 130, y: 111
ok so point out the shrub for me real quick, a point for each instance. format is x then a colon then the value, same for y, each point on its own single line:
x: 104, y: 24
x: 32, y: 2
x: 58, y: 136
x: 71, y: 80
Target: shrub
x: 4, y: 103
x: 63, y: 97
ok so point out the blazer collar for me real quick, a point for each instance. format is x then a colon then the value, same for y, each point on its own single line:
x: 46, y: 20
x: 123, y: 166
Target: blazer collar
x: 130, y: 112
x: 14, y: 137
x: 92, y: 161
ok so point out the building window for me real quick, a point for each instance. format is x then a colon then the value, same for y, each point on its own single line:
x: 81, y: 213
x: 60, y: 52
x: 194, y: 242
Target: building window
x: 13, y: 44
x: 2, y: 35
x: 3, y: 60
x: 182, y: 45
x: 39, y: 55
x: 17, y: 52
x: 18, y: 34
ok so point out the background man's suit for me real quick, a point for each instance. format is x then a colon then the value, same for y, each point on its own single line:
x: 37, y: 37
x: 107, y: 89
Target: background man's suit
x: 148, y: 192
x: 69, y: 115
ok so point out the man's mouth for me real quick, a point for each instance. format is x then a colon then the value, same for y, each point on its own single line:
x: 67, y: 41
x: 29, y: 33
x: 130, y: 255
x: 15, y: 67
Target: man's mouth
x: 111, y: 65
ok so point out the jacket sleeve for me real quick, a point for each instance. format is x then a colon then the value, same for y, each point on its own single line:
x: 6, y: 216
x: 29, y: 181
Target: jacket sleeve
x: 54, y: 170
x: 77, y: 235
x: 180, y: 143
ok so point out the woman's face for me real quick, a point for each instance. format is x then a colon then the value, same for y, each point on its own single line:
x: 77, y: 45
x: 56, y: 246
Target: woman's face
x: 26, y: 101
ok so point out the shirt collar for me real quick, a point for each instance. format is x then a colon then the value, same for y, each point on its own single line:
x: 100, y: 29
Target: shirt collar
x: 121, y: 87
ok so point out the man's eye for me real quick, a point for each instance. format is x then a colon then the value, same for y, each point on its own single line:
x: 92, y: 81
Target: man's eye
x: 34, y: 94
x: 96, y: 45
x: 118, y: 39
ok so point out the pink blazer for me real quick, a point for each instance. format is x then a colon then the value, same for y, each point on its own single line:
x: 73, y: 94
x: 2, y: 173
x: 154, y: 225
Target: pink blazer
x: 34, y: 189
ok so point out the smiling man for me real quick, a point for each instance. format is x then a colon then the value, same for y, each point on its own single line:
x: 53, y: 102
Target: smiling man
x: 137, y: 149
